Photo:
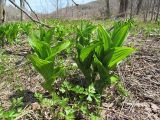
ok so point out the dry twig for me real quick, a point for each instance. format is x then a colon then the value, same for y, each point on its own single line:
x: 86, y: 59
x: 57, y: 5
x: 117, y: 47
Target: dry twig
x: 35, y: 21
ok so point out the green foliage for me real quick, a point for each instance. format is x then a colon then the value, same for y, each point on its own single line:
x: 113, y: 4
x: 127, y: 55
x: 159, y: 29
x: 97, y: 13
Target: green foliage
x: 44, y: 57
x: 1, y: 69
x: 88, y: 94
x: 2, y: 35
x: 84, y: 33
x: 11, y: 32
x: 26, y: 28
x: 60, y: 32
x: 65, y: 111
x: 14, y: 111
x: 98, y: 52
x: 101, y: 56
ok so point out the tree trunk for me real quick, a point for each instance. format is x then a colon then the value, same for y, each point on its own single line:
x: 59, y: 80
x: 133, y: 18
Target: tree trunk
x: 131, y: 14
x: 107, y: 9
x: 57, y: 7
x: 139, y: 5
x: 153, y: 8
x: 67, y: 6
x: 147, y: 7
x: 123, y: 8
x: 2, y: 11
x: 22, y: 5
x: 158, y: 10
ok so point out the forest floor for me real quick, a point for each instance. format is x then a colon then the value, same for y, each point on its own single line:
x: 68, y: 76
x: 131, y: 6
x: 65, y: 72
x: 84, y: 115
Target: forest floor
x: 140, y: 75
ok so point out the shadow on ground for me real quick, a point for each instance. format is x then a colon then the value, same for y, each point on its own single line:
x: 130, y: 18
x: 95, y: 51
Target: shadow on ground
x: 28, y: 97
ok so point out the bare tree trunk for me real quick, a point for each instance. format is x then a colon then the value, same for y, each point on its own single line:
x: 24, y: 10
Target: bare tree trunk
x: 22, y: 5
x: 2, y: 11
x: 67, y: 6
x: 146, y: 9
x: 158, y: 10
x: 123, y: 8
x: 57, y: 7
x: 153, y: 8
x: 131, y: 14
x: 72, y: 10
x: 139, y: 5
x: 107, y: 9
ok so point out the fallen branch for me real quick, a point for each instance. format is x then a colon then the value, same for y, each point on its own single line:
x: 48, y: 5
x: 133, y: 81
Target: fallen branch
x: 75, y: 3
x: 31, y: 9
x: 35, y: 21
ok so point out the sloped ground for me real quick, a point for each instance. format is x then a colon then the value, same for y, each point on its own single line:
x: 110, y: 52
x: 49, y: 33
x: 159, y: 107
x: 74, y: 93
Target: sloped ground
x: 140, y: 74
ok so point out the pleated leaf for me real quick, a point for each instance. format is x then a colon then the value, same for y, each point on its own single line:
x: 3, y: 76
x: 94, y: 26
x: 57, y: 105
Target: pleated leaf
x: 120, y: 35
x: 85, y: 53
x: 44, y: 67
x: 105, y: 37
x: 117, y: 55
x: 58, y: 48
x: 41, y: 48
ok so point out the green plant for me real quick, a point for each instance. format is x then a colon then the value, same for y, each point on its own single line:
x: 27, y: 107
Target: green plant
x: 82, y: 98
x: 85, y: 50
x: 75, y: 99
x: 46, y: 35
x: 44, y: 59
x: 2, y: 35
x: 60, y: 32
x: 26, y: 28
x: 9, y: 33
x: 63, y: 110
x: 1, y: 69
x: 88, y: 94
x: 100, y: 57
x: 14, y: 111
x: 99, y: 51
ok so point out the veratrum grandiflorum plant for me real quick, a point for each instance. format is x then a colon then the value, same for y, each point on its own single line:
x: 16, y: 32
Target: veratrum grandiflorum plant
x: 100, y: 56
x: 43, y: 58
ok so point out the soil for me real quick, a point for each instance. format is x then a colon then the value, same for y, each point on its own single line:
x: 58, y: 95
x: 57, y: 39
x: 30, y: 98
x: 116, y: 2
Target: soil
x: 140, y: 74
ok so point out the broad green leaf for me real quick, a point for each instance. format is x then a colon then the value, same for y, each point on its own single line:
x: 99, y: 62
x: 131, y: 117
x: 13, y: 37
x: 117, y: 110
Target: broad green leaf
x: 41, y: 48
x: 85, y: 67
x: 102, y: 70
x: 105, y: 37
x: 87, y: 51
x: 84, y: 33
x: 116, y: 55
x: 48, y: 36
x: 79, y: 48
x: 44, y: 67
x: 99, y: 52
x: 45, y: 35
x: 105, y: 78
x: 59, y: 48
x: 119, y: 37
x: 57, y: 72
